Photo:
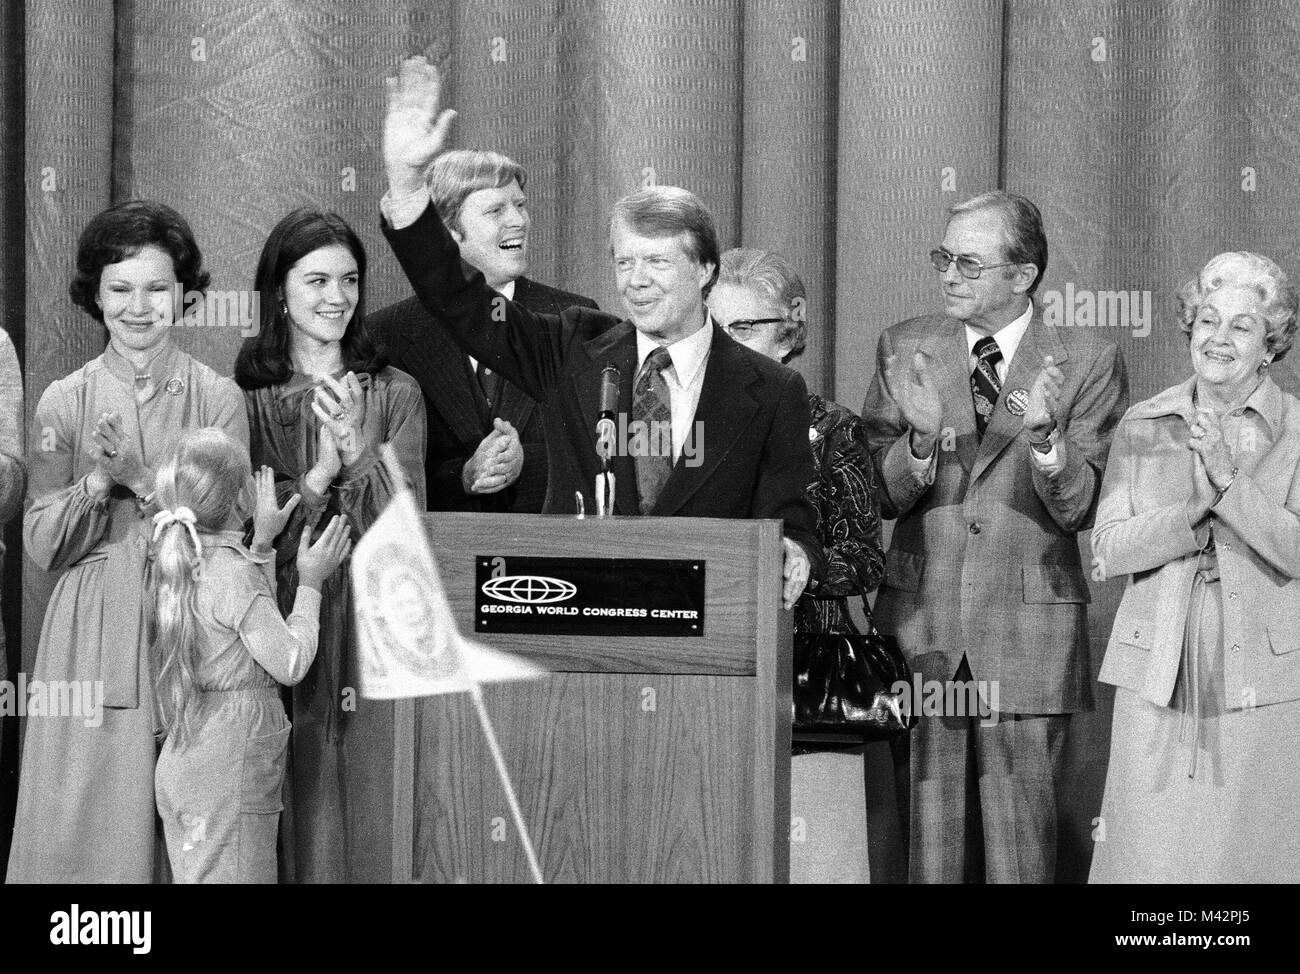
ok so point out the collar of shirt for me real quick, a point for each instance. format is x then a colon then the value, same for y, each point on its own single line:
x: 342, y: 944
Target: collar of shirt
x: 688, y: 354
x: 1266, y: 400
x: 159, y: 368
x: 234, y: 540
x: 1008, y: 339
x: 300, y: 381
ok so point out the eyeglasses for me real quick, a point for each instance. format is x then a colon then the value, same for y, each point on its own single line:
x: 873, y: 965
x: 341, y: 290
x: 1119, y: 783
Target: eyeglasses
x: 969, y: 267
x: 742, y: 327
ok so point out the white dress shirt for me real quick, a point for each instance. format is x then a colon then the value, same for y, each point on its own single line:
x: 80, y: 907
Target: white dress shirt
x: 1008, y: 339
x: 402, y: 211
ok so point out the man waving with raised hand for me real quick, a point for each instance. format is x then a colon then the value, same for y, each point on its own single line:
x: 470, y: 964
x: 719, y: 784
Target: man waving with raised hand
x: 738, y: 421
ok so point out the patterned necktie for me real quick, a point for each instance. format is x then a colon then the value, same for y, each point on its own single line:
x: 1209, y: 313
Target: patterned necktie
x: 651, y: 405
x: 984, y: 382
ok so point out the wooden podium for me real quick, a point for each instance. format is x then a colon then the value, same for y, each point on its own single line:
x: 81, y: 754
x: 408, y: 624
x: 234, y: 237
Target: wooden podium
x: 637, y: 759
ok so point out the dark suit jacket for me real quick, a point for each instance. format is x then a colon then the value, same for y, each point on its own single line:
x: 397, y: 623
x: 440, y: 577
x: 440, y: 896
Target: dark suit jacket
x: 754, y: 460
x: 459, y: 415
x: 985, y: 560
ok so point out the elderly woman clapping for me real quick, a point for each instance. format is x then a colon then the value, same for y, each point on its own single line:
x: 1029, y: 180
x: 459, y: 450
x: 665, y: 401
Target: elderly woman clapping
x: 1201, y: 509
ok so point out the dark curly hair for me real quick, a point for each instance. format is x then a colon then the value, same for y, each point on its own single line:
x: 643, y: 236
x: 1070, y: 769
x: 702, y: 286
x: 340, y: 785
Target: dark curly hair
x: 263, y: 359
x: 120, y: 232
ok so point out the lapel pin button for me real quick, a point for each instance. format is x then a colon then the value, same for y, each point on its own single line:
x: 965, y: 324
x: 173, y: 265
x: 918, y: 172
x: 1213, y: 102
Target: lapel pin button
x: 1017, y: 401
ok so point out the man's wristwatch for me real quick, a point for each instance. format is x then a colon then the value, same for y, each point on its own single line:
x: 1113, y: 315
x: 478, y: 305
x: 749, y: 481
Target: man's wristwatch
x: 1045, y: 445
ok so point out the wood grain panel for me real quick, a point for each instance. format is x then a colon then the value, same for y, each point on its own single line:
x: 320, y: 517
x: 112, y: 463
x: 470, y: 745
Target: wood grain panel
x: 637, y: 776
x: 773, y: 692
x: 725, y: 546
x: 612, y: 791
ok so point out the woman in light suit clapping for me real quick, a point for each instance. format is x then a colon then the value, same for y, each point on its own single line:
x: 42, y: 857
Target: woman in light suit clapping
x: 1201, y: 510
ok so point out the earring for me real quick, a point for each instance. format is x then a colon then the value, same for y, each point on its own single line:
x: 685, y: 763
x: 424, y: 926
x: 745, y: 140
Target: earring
x: 284, y: 308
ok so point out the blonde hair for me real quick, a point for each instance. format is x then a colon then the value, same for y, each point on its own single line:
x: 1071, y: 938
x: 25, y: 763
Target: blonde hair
x: 205, y: 473
x: 1248, y: 270
x: 457, y: 174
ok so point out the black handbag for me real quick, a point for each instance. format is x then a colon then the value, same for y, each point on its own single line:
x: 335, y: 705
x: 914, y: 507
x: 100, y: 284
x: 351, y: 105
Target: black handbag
x: 847, y: 688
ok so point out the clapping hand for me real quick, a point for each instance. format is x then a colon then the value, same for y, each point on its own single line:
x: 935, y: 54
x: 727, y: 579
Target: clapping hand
x: 497, y: 462
x: 414, y: 131
x: 1044, y: 400
x: 1214, y: 473
x: 341, y: 408
x: 115, y: 458
x: 317, y: 562
x: 328, y: 463
x: 269, y: 518
x: 916, y: 391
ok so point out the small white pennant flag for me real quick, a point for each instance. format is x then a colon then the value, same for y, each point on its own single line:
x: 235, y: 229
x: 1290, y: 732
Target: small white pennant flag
x: 408, y: 642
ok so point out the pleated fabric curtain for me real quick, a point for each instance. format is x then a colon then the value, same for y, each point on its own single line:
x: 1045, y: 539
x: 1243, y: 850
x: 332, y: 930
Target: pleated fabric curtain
x: 919, y: 100
x: 70, y: 121
x: 1152, y: 135
x: 236, y: 115
x: 12, y: 272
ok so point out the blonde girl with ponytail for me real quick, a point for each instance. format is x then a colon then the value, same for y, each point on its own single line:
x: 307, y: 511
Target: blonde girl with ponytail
x: 221, y: 651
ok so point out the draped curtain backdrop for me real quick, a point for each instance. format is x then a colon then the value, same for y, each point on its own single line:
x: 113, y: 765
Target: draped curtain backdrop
x: 12, y: 270
x: 1152, y: 135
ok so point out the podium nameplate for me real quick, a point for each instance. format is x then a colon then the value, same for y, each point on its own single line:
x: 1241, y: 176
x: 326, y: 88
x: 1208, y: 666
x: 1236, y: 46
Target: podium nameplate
x: 589, y: 596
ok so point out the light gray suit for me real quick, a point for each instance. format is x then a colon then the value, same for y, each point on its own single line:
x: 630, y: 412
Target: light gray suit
x: 984, y: 565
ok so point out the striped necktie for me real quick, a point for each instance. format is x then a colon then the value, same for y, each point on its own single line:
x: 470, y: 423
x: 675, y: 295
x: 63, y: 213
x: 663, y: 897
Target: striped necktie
x: 984, y: 382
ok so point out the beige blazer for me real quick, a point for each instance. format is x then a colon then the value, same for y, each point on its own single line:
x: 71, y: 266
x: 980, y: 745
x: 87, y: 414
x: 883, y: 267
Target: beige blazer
x: 1142, y: 532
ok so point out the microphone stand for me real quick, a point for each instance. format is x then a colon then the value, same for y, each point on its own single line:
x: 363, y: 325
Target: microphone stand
x: 605, y: 478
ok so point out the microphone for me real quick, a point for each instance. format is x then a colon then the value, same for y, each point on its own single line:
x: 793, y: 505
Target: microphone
x: 606, y: 430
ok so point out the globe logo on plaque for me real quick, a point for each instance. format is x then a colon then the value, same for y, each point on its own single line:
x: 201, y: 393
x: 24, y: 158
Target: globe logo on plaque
x: 529, y: 589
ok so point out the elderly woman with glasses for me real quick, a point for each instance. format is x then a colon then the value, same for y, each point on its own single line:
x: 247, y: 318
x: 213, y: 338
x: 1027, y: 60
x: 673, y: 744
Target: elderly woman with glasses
x: 761, y: 302
x: 1200, y: 510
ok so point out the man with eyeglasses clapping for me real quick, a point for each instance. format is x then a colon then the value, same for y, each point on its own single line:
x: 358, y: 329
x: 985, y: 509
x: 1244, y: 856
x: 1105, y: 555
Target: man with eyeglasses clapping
x: 989, y: 432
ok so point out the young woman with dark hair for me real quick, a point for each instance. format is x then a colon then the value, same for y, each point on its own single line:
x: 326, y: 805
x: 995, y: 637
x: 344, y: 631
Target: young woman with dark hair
x: 320, y: 402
